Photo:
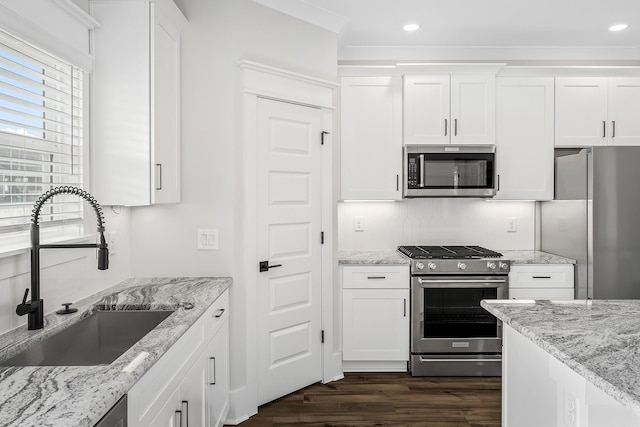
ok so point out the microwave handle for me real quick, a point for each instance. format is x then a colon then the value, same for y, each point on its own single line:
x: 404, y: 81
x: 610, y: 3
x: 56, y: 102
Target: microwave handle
x: 421, y: 166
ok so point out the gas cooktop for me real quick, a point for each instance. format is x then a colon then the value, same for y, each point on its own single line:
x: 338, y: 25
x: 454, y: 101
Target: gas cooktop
x: 448, y: 252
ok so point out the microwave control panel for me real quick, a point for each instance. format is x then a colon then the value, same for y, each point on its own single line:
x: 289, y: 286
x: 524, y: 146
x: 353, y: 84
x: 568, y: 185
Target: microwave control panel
x: 412, y: 171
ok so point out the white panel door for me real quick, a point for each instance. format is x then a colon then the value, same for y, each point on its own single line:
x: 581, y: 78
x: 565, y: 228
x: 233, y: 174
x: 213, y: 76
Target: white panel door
x: 473, y: 106
x: 524, y: 146
x: 426, y: 109
x: 375, y: 324
x: 371, y: 138
x: 624, y: 108
x: 581, y: 111
x: 289, y: 207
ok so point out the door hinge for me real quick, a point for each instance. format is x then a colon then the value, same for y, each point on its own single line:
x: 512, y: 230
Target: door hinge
x: 322, y: 134
x: 322, y: 237
x: 322, y: 337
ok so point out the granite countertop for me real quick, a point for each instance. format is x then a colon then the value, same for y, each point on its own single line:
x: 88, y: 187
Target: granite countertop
x: 80, y: 395
x: 392, y: 256
x: 598, y: 340
x: 535, y: 257
x: 388, y: 257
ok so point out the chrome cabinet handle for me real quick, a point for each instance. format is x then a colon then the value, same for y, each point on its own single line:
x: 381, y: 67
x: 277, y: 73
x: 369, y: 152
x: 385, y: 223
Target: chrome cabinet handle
x: 219, y: 313
x: 185, y: 413
x: 498, y: 183
x: 455, y: 127
x: 212, y: 362
x: 445, y: 127
x: 397, y: 182
x: 158, y: 176
x: 613, y: 135
x: 541, y: 277
x: 405, y: 307
x: 376, y: 277
x: 604, y: 129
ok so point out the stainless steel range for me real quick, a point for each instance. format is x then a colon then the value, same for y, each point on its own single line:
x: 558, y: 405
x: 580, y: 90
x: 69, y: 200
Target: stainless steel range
x: 451, y: 335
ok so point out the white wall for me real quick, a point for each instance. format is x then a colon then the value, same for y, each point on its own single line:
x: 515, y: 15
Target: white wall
x: 219, y: 34
x: 436, y: 221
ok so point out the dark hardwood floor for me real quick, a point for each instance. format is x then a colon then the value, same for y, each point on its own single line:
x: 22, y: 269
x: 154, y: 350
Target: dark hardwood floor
x: 387, y: 399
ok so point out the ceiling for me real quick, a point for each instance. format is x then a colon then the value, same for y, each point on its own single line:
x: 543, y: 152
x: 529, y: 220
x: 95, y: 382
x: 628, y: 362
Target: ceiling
x: 371, y: 27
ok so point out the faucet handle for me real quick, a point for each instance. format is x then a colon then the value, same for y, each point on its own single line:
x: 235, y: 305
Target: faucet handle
x: 23, y: 308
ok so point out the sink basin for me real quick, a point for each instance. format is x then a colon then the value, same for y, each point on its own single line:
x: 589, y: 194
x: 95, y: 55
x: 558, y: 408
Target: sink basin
x: 98, y: 339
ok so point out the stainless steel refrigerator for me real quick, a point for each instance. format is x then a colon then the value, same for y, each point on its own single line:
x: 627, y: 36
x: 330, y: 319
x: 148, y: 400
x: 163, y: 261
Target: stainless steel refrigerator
x: 595, y: 219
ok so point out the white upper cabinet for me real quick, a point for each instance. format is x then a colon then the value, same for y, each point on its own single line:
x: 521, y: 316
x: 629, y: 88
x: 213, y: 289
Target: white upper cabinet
x: 449, y: 109
x: 136, y: 102
x: 624, y: 110
x: 524, y: 145
x: 371, y: 138
x: 594, y: 111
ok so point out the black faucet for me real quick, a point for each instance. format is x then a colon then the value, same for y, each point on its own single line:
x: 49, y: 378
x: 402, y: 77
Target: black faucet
x: 35, y: 307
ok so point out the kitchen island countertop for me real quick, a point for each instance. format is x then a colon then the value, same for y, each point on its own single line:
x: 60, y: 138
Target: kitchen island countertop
x: 599, y: 340
x: 80, y: 395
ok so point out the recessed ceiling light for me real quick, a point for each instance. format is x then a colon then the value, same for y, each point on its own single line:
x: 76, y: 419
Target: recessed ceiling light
x: 411, y: 27
x: 618, y: 27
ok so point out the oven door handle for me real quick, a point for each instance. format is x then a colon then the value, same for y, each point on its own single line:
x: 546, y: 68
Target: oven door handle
x: 464, y: 283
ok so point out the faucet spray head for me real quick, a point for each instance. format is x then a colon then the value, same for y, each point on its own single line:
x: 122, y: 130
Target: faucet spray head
x: 103, y: 253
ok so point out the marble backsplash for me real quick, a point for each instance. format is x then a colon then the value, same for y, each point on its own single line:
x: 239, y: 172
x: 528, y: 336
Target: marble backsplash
x: 436, y: 221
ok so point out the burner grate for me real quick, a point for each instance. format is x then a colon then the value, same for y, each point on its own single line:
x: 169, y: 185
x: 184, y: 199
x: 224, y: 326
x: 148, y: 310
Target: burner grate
x: 448, y: 252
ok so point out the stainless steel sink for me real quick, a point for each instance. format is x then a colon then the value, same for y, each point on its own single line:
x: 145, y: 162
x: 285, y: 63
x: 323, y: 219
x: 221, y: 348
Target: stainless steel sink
x: 98, y: 339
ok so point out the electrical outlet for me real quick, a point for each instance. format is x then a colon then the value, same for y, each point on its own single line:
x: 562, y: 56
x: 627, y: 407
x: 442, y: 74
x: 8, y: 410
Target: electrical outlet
x: 207, y: 239
x: 512, y: 224
x: 111, y: 242
x: 570, y: 410
x: 358, y: 223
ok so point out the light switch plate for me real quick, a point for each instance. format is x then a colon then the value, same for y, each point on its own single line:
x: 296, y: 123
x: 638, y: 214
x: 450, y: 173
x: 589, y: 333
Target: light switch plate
x: 512, y: 224
x: 358, y: 223
x: 207, y: 239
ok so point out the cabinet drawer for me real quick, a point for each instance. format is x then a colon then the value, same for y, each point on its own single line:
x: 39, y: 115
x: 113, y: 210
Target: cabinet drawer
x: 218, y: 313
x: 541, y: 276
x: 537, y: 293
x: 375, y: 277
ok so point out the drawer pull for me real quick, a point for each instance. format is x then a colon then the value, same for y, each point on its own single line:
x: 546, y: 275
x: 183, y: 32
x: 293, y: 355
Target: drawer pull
x: 212, y: 361
x: 541, y: 277
x: 376, y: 277
x: 219, y: 313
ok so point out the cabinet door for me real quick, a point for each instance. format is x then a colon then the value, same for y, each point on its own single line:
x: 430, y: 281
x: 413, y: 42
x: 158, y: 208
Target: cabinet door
x: 371, y: 138
x: 217, y: 358
x: 167, y: 415
x: 581, y: 111
x: 165, y: 96
x: 427, y: 109
x: 524, y: 146
x: 375, y: 324
x: 193, y: 395
x: 473, y: 106
x: 624, y: 105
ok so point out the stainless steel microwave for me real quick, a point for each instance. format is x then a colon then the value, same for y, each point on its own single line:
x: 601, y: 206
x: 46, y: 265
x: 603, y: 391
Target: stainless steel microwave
x: 449, y: 171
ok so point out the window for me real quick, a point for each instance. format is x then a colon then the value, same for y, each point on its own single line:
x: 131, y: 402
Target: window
x: 40, y: 134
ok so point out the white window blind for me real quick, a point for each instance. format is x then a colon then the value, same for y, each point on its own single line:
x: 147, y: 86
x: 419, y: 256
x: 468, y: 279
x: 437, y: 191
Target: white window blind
x: 40, y: 133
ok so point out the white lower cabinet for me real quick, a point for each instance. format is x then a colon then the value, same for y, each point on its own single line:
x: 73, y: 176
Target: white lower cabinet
x: 189, y: 385
x: 375, y: 328
x: 539, y: 390
x: 542, y: 281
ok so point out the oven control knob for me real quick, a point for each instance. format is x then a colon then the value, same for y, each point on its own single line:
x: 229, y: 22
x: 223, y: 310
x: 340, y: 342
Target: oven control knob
x: 491, y: 265
x: 432, y: 266
x: 504, y: 266
x: 419, y: 265
x: 462, y: 266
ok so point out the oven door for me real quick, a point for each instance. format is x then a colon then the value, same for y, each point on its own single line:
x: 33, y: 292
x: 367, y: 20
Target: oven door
x: 447, y: 316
